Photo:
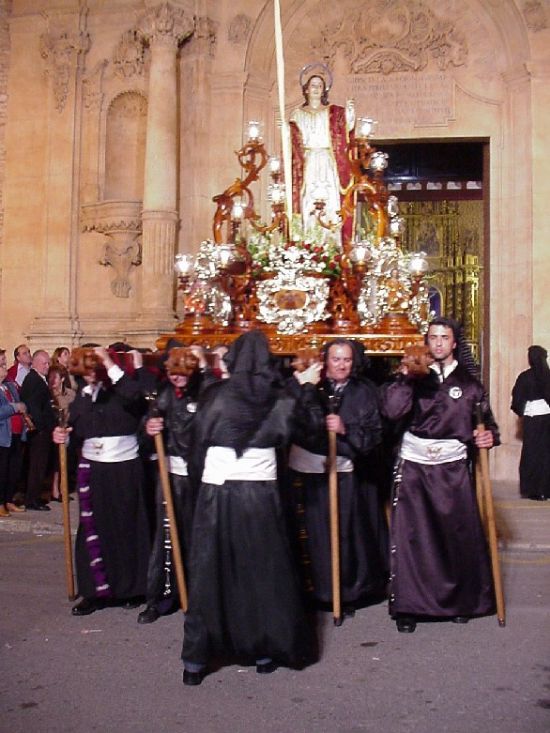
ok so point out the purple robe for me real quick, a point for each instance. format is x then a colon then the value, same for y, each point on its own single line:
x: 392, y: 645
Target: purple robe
x: 438, y: 554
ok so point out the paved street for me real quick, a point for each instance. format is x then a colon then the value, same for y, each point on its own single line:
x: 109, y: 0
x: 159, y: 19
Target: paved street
x: 105, y: 673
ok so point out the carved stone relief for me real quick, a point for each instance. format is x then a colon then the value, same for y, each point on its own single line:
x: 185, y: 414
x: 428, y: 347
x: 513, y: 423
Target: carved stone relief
x: 61, y: 54
x: 535, y: 15
x: 120, y: 223
x: 92, y: 87
x: 391, y: 36
x: 239, y: 29
x: 129, y: 56
x: 165, y: 23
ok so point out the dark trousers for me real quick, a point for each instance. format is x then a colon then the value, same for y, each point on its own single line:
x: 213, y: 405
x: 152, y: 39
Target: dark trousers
x: 10, y: 468
x: 40, y: 448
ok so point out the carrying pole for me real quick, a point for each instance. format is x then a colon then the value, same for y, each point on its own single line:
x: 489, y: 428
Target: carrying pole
x: 172, y: 524
x: 489, y: 513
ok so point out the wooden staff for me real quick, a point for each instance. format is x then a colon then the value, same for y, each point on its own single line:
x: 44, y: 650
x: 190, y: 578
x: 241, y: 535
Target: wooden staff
x: 172, y: 524
x: 334, y: 529
x: 479, y: 496
x: 64, y: 488
x: 489, y: 513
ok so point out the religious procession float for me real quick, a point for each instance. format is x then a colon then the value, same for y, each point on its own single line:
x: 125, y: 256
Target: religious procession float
x: 328, y: 262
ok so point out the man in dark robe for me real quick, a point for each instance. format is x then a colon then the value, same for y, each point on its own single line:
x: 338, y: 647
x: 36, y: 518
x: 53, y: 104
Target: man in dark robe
x: 175, y: 408
x: 346, y: 404
x: 244, y: 597
x: 531, y: 401
x: 112, y: 541
x: 439, y: 560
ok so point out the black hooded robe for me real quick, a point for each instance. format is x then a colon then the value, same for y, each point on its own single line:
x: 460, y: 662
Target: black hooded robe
x: 244, y: 597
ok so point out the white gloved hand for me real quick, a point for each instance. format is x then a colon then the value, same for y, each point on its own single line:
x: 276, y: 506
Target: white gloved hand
x: 311, y: 375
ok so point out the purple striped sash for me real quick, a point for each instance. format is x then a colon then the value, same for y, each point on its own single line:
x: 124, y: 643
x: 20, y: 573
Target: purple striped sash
x: 93, y: 545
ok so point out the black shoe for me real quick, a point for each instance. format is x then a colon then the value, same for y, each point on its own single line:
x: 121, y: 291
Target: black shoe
x: 149, y: 616
x: 460, y: 619
x: 266, y: 667
x: 405, y: 624
x: 537, y: 497
x: 87, y: 606
x: 193, y: 678
x: 349, y: 611
x: 36, y: 507
x: 130, y: 603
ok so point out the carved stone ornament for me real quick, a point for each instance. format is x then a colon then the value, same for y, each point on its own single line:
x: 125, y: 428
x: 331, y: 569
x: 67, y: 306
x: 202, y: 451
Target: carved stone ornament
x: 129, y: 56
x: 239, y: 29
x: 61, y: 54
x: 388, y: 36
x: 91, y: 86
x: 535, y: 15
x: 122, y: 250
x: 120, y: 222
x: 167, y: 24
x: 205, y: 33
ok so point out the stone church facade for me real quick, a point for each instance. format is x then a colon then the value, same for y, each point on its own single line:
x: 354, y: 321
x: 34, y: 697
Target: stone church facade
x: 118, y: 122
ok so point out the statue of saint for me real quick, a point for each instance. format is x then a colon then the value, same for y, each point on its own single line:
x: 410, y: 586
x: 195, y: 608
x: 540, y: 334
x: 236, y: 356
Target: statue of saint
x: 320, y: 135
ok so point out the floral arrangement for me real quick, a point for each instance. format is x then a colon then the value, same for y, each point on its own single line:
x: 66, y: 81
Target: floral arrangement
x: 316, y: 250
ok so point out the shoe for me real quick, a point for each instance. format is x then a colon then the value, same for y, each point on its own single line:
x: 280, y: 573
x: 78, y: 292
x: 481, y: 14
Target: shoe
x: 266, y: 667
x: 3, y: 511
x: 87, y: 606
x: 34, y: 506
x: 149, y: 616
x: 460, y: 619
x: 405, y: 624
x: 130, y: 603
x: 193, y: 678
x: 537, y: 497
x: 348, y: 611
x: 13, y: 508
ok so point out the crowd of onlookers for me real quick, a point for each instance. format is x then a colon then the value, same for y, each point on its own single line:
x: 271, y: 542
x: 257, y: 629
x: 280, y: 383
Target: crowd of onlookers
x: 35, y: 394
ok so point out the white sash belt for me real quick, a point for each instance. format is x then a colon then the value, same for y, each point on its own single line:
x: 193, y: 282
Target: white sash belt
x: 304, y: 461
x: 174, y: 464
x: 536, y: 407
x: 255, y: 464
x: 111, y: 449
x: 431, y: 451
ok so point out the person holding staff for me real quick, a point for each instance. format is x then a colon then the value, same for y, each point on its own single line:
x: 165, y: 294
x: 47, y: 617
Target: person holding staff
x: 344, y: 404
x: 112, y: 542
x: 440, y: 565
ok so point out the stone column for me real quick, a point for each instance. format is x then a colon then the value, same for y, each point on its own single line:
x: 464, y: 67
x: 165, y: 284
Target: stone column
x: 163, y: 28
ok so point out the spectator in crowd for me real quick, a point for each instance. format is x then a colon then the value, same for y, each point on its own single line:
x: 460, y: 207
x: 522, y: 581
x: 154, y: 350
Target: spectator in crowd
x: 12, y: 432
x: 35, y: 393
x: 21, y: 366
